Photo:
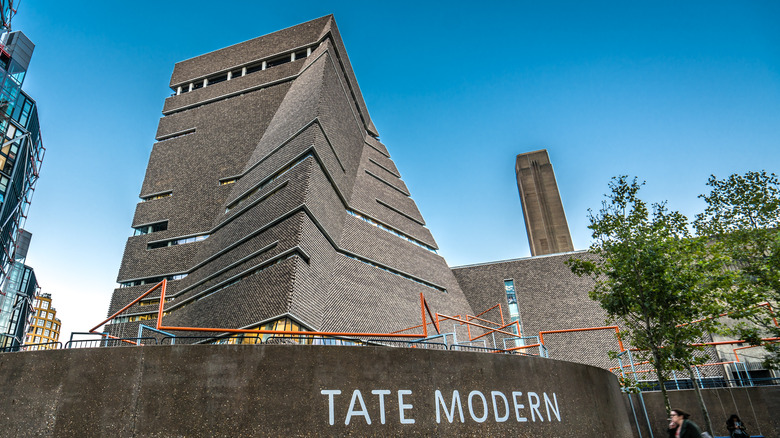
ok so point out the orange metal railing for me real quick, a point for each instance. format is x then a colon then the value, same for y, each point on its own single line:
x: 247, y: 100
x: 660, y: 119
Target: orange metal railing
x: 160, y: 326
x: 160, y: 285
x: 584, y: 329
x: 764, y: 341
x: 428, y: 317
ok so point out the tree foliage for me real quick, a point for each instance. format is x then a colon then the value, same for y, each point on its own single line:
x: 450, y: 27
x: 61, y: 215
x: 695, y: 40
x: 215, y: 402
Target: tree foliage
x: 652, y: 277
x: 742, y: 219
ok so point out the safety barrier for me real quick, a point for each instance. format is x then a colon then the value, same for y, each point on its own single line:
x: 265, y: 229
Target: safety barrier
x: 33, y: 347
x: 105, y: 341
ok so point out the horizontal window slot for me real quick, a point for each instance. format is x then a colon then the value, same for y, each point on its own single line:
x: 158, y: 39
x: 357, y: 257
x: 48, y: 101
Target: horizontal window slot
x: 215, y: 80
x: 392, y: 231
x: 152, y: 280
x: 133, y: 318
x: 174, y: 242
x: 278, y: 61
x: 243, y: 70
x: 150, y: 228
x: 176, y: 134
x: 154, y: 196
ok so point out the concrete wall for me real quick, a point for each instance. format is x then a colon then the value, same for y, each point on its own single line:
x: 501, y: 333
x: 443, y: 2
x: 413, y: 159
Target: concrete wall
x: 757, y: 407
x: 275, y: 390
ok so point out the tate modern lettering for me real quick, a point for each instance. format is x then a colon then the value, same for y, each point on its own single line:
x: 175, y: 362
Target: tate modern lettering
x: 453, y: 406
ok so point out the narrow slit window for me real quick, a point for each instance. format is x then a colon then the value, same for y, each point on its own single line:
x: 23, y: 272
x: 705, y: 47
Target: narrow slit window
x: 174, y: 242
x: 511, y: 299
x: 279, y: 61
x: 157, y: 196
x: 218, y: 79
x: 150, y: 228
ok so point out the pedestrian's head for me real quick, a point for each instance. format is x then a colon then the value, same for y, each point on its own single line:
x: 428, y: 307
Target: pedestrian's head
x: 733, y: 418
x: 678, y: 416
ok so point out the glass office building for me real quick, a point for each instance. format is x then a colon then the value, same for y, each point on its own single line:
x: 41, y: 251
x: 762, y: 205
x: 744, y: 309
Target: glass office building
x: 22, y: 150
x: 21, y: 154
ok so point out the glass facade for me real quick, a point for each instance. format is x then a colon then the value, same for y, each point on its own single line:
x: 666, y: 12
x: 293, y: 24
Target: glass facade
x: 511, y: 299
x: 174, y: 242
x: 21, y: 150
x: 16, y: 306
x: 285, y: 324
x: 151, y: 228
x: 152, y: 280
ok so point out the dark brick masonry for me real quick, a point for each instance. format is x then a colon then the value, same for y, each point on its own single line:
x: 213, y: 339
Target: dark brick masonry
x: 299, y: 148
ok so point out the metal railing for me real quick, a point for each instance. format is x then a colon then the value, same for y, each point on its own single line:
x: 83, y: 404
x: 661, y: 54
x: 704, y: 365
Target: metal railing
x: 408, y: 344
x: 105, y: 341
x: 461, y: 347
x: 33, y: 347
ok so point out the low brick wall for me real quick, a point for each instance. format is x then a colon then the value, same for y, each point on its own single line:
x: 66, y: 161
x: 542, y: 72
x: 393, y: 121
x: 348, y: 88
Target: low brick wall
x: 276, y: 390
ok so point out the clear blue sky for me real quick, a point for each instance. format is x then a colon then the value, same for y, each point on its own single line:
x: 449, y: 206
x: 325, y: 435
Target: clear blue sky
x: 668, y: 91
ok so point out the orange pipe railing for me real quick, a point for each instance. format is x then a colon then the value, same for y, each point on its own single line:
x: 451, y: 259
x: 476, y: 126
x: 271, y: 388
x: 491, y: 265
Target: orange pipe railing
x: 160, y: 313
x: 424, y: 308
x: 478, y: 325
x: 585, y: 329
x: 524, y: 347
x: 499, y: 330
x: 501, y: 313
x: 155, y: 287
x: 766, y: 340
x: 290, y: 332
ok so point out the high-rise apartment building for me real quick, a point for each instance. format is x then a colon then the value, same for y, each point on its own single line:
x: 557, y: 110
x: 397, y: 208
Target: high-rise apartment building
x: 21, y: 152
x: 269, y: 201
x: 16, y: 305
x: 545, y: 219
x: 45, y: 326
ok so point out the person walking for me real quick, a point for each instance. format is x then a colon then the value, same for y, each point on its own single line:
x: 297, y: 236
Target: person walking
x: 685, y: 427
x: 672, y: 431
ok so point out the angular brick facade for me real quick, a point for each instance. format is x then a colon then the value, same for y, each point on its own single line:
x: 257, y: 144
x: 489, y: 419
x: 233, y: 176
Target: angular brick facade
x: 277, y: 199
x: 269, y: 196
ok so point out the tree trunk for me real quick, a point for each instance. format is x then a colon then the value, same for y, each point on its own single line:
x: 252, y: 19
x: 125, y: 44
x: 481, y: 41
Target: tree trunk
x: 704, y: 412
x: 661, y: 380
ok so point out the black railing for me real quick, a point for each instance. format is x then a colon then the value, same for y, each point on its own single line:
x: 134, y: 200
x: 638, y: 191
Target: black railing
x: 458, y: 347
x: 110, y: 342
x: 708, y: 383
x: 408, y: 344
x: 33, y: 347
x: 254, y: 339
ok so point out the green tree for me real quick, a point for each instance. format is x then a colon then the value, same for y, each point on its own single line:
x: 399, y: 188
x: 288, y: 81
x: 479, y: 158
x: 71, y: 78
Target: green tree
x: 742, y: 219
x: 653, y: 278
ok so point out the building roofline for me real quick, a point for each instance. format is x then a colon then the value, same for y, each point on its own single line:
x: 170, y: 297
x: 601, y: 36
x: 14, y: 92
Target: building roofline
x: 519, y: 259
x: 329, y: 16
